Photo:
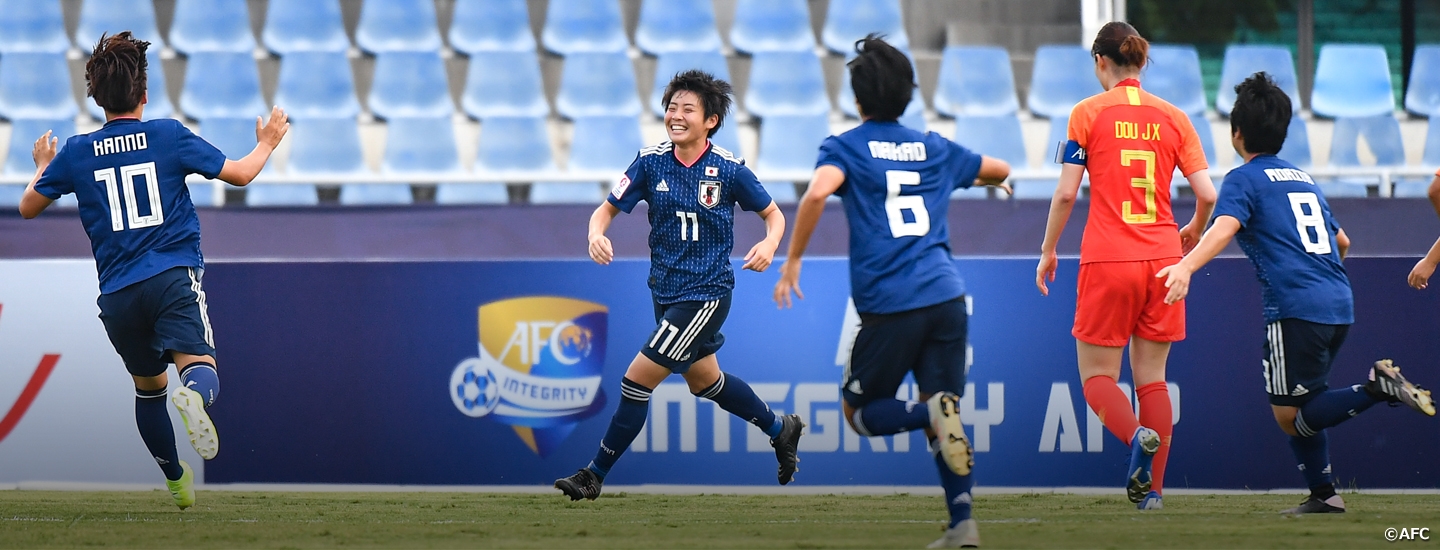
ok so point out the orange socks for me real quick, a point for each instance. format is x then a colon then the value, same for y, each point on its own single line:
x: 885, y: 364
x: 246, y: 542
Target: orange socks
x: 1113, y: 408
x: 1155, y: 414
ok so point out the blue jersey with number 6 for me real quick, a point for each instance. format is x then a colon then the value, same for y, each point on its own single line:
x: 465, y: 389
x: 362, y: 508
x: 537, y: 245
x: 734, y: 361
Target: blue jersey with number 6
x: 897, y: 198
x: 129, y: 177
x: 1287, y: 231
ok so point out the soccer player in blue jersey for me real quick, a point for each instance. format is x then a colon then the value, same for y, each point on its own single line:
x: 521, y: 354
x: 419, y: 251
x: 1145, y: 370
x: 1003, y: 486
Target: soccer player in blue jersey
x: 895, y: 184
x: 692, y: 187
x: 129, y: 178
x: 1284, y: 225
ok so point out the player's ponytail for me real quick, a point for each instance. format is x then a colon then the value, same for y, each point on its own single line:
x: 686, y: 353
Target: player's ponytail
x: 1122, y: 44
x: 115, y: 73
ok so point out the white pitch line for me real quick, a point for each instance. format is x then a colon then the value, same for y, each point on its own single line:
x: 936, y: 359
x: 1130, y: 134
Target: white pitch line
x: 658, y: 489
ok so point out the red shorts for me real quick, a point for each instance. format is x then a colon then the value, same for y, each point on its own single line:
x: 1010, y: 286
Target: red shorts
x: 1115, y: 300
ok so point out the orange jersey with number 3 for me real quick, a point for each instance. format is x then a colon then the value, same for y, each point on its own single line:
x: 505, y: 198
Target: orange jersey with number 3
x: 1132, y: 142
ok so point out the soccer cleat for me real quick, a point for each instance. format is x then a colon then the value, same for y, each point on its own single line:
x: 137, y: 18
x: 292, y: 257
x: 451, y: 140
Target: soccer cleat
x: 197, y: 422
x: 786, y: 444
x: 965, y: 534
x: 1312, y: 505
x: 1387, y: 383
x: 1142, y: 451
x: 584, y: 484
x: 1151, y: 501
x: 945, y: 421
x: 183, y: 489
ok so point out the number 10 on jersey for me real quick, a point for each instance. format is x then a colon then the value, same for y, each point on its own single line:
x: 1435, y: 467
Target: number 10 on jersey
x: 126, y: 181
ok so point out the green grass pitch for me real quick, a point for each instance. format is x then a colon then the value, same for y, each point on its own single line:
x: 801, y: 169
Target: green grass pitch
x: 230, y: 519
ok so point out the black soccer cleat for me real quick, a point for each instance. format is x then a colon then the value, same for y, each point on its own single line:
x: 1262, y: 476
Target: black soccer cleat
x: 786, y: 444
x: 1387, y: 383
x: 584, y: 484
x: 1312, y: 505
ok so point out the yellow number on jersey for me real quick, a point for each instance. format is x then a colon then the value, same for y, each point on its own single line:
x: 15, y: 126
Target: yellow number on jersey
x: 1147, y: 183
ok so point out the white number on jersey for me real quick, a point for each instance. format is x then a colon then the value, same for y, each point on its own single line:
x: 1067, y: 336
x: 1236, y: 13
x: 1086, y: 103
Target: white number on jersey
x: 126, y: 181
x: 693, y: 227
x: 896, y: 205
x: 1313, y: 219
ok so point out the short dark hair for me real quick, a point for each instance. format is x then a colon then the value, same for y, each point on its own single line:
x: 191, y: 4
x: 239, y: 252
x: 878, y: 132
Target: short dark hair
x: 714, y: 94
x: 882, y: 78
x: 1121, y: 43
x: 115, y: 74
x: 1261, y: 114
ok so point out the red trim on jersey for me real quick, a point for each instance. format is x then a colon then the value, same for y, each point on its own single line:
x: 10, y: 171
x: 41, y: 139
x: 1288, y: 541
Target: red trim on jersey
x: 1129, y: 82
x: 676, y: 151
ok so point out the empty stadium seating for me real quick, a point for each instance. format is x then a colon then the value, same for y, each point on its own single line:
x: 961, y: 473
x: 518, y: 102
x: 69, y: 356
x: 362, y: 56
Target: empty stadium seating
x: 1296, y: 148
x: 976, y: 81
x: 772, y: 25
x: 574, y: 26
x: 410, y: 84
x: 398, y: 26
x: 18, y: 161
x: 677, y: 26
x: 1063, y: 75
x: 1423, y: 97
x: 491, y: 26
x: 1243, y: 60
x: 317, y: 84
x: 308, y: 26
x: 35, y: 85
x: 791, y: 142
x: 318, y: 146
x: 597, y: 84
x: 786, y: 84
x: 222, y: 85
x: 996, y: 136
x: 211, y: 26
x: 850, y: 20
x: 32, y: 26
x: 1382, y: 135
x: 606, y: 143
x: 114, y: 16
x: 672, y: 63
x: 1352, y: 80
x: 1173, y: 74
x: 504, y: 84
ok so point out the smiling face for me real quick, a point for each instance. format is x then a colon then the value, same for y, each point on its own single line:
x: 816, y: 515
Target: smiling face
x: 685, y: 119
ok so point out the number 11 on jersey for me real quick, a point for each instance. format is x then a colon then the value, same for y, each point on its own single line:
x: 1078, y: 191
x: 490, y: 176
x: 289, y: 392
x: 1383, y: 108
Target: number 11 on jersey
x: 693, y: 227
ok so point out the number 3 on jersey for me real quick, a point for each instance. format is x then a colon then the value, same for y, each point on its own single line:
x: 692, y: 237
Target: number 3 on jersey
x: 896, y: 205
x: 1314, y: 218
x: 1147, y: 183
x: 126, y: 181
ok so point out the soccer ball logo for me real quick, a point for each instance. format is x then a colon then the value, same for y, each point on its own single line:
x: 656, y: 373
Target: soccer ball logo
x: 571, y: 343
x: 474, y: 390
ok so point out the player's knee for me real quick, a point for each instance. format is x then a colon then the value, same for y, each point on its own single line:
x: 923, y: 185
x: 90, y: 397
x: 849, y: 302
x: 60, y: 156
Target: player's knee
x: 202, y: 378
x: 1285, y: 418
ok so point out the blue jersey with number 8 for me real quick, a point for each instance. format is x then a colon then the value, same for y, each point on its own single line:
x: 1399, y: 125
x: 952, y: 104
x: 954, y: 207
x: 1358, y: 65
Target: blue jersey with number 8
x: 897, y: 198
x: 129, y: 178
x: 1287, y: 231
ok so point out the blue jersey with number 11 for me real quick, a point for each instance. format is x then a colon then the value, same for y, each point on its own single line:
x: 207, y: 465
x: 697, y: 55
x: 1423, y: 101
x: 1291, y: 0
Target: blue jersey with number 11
x: 897, y: 199
x: 129, y: 177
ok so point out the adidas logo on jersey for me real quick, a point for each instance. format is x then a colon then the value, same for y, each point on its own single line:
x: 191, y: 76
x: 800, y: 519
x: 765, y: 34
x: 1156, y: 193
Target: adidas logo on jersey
x: 1299, y: 390
x: 663, y: 186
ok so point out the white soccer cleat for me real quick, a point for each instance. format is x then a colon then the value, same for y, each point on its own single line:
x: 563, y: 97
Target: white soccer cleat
x: 197, y: 422
x: 945, y: 420
x: 965, y: 534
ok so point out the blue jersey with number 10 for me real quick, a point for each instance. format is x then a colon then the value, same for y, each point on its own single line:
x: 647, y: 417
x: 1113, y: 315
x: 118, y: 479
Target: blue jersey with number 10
x: 129, y: 178
x: 1287, y: 231
x: 897, y: 199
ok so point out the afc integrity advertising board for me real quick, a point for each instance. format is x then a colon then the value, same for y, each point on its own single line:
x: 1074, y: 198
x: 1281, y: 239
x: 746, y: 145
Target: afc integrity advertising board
x: 507, y: 373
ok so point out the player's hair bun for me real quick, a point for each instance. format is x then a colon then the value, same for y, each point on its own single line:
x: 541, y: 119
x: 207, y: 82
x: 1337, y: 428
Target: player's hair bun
x: 1121, y: 43
x: 1134, y: 49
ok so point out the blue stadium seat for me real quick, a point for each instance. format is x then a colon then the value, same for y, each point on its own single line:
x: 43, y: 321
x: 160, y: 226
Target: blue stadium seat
x: 1059, y: 127
x: 326, y: 146
x: 1382, y: 135
x: 571, y: 192
x: 491, y: 26
x: 782, y: 192
x: 772, y: 25
x: 233, y: 136
x: 1173, y: 74
x: 1207, y: 137
x: 507, y: 144
x: 308, y: 26
x: 976, y: 81
x: 1420, y: 186
x: 1431, y: 154
x: 471, y: 193
x: 1243, y: 60
x: 32, y: 26
x: 997, y: 136
x: 317, y: 84
x: 791, y: 142
x: 786, y: 84
x: 673, y: 63
x: 159, y: 105
x: 1352, y: 80
x: 597, y: 84
x: 23, y: 133
x: 575, y: 26
x: 849, y: 20
x: 35, y: 85
x: 222, y: 85
x: 1423, y: 96
x: 113, y: 16
x: 1062, y: 76
x: 398, y: 26
x: 1296, y: 149
x: 375, y: 194
x: 211, y: 26
x: 420, y: 146
x: 677, y: 26
x: 410, y: 84
x: 728, y: 137
x: 605, y: 143
x: 1033, y: 189
x: 504, y: 84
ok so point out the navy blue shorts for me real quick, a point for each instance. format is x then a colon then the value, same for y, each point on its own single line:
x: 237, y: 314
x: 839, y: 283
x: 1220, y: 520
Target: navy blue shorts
x: 149, y: 319
x: 687, y: 332
x: 1298, y: 355
x: 929, y: 342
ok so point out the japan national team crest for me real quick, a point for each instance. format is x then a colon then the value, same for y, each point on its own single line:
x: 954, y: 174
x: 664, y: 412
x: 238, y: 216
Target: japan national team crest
x: 538, y: 369
x: 709, y: 193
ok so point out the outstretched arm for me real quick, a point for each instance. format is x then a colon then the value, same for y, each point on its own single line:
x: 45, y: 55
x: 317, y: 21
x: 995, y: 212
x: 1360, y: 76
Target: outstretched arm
x: 1177, y: 277
x: 267, y: 136
x: 994, y: 172
x: 600, y: 248
x: 1060, y: 206
x: 826, y: 181
x: 760, y: 255
x: 1205, y: 196
x: 32, y: 203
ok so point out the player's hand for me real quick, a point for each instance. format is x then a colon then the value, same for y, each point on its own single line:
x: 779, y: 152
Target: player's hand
x: 1006, y: 188
x: 44, y: 150
x: 789, y: 283
x: 1177, y: 279
x: 760, y: 256
x: 601, y: 250
x: 1045, y: 272
x: 270, y: 133
x: 1189, y: 237
x: 1420, y: 275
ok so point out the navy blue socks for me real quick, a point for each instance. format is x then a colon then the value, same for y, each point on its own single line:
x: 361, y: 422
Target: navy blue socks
x: 202, y: 378
x: 1313, y: 455
x: 1331, y: 408
x: 736, y: 397
x: 152, y: 416
x: 890, y: 416
x: 624, y: 426
x: 958, y: 496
